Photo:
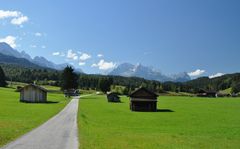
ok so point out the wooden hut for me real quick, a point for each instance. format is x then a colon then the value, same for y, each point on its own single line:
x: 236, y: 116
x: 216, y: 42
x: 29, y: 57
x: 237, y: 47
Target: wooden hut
x: 204, y: 93
x: 33, y: 93
x: 71, y: 92
x: 143, y: 100
x: 113, y: 97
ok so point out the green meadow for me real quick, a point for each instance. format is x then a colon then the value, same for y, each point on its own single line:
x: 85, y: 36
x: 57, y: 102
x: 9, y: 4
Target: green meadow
x: 181, y: 122
x: 18, y: 118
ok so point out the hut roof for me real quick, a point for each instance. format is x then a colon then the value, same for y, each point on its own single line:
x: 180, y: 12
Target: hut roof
x: 112, y: 94
x: 143, y: 93
x: 35, y: 86
x: 207, y: 91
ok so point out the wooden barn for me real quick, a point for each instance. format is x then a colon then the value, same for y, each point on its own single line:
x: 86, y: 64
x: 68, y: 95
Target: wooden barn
x: 143, y: 100
x: 113, y: 97
x: 71, y: 92
x: 204, y: 93
x: 33, y: 93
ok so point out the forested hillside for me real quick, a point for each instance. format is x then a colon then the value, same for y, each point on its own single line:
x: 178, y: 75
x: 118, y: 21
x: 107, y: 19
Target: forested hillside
x: 219, y: 83
x: 19, y: 73
x: 22, y: 62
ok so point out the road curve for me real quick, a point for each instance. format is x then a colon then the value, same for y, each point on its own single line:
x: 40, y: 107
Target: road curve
x: 60, y: 132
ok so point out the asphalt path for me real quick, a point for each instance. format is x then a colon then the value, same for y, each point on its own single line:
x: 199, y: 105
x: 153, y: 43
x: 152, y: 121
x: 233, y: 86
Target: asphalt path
x: 60, y: 132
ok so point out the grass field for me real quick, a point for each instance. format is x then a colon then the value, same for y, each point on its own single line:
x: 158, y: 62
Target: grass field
x: 193, y: 123
x: 18, y: 118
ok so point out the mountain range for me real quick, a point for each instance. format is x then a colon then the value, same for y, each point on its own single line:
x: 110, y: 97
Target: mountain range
x: 10, y: 55
x: 22, y: 62
x: 130, y: 70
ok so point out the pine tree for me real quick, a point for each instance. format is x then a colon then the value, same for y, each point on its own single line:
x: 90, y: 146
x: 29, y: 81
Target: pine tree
x: 235, y: 88
x: 3, y: 82
x: 104, y: 84
x: 69, y: 79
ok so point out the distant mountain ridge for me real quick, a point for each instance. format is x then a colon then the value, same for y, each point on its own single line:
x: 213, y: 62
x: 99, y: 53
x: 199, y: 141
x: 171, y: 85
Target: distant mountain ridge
x: 130, y: 70
x: 39, y: 60
x: 7, y: 50
x: 6, y: 59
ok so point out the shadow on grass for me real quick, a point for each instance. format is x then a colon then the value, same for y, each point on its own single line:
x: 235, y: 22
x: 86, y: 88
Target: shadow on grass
x: 164, y: 110
x: 47, y: 102
x: 158, y: 110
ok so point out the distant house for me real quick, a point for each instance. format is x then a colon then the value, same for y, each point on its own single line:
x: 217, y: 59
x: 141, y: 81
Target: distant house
x: 143, y: 100
x: 71, y: 92
x: 204, y: 93
x: 33, y: 93
x: 113, y: 97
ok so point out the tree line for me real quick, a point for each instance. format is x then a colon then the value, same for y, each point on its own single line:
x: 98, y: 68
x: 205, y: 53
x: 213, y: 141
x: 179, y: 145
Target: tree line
x: 104, y: 83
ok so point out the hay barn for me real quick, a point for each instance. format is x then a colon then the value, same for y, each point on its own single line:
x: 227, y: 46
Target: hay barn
x: 33, y: 93
x: 113, y: 97
x: 204, y: 93
x: 143, y: 100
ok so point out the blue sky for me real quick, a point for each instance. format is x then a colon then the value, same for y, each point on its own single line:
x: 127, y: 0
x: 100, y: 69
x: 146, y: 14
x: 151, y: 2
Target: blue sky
x: 202, y: 37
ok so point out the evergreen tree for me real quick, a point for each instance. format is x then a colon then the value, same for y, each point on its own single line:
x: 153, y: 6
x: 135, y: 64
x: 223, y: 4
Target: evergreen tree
x: 235, y: 88
x: 126, y: 90
x: 69, y: 79
x: 104, y: 84
x: 3, y: 82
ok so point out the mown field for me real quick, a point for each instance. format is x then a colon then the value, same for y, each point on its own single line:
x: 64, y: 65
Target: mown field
x: 182, y: 122
x: 18, y: 118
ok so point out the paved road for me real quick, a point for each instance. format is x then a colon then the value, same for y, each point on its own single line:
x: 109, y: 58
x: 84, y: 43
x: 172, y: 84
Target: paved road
x: 60, y: 132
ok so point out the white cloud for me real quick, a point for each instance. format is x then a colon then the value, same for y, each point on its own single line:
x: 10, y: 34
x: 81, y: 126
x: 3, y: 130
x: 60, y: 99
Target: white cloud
x: 61, y: 54
x: 196, y: 73
x: 100, y: 55
x: 9, y: 14
x: 72, y: 55
x: 38, y: 34
x: 103, y: 65
x: 17, y: 18
x: 43, y: 47
x: 56, y: 53
x: 84, y: 56
x: 94, y: 65
x: 216, y: 75
x: 82, y: 63
x: 11, y: 40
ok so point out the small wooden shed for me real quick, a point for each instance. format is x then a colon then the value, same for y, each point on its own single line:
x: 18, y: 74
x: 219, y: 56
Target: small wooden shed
x: 71, y: 92
x: 33, y: 93
x: 143, y: 100
x: 113, y: 97
x: 204, y: 93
